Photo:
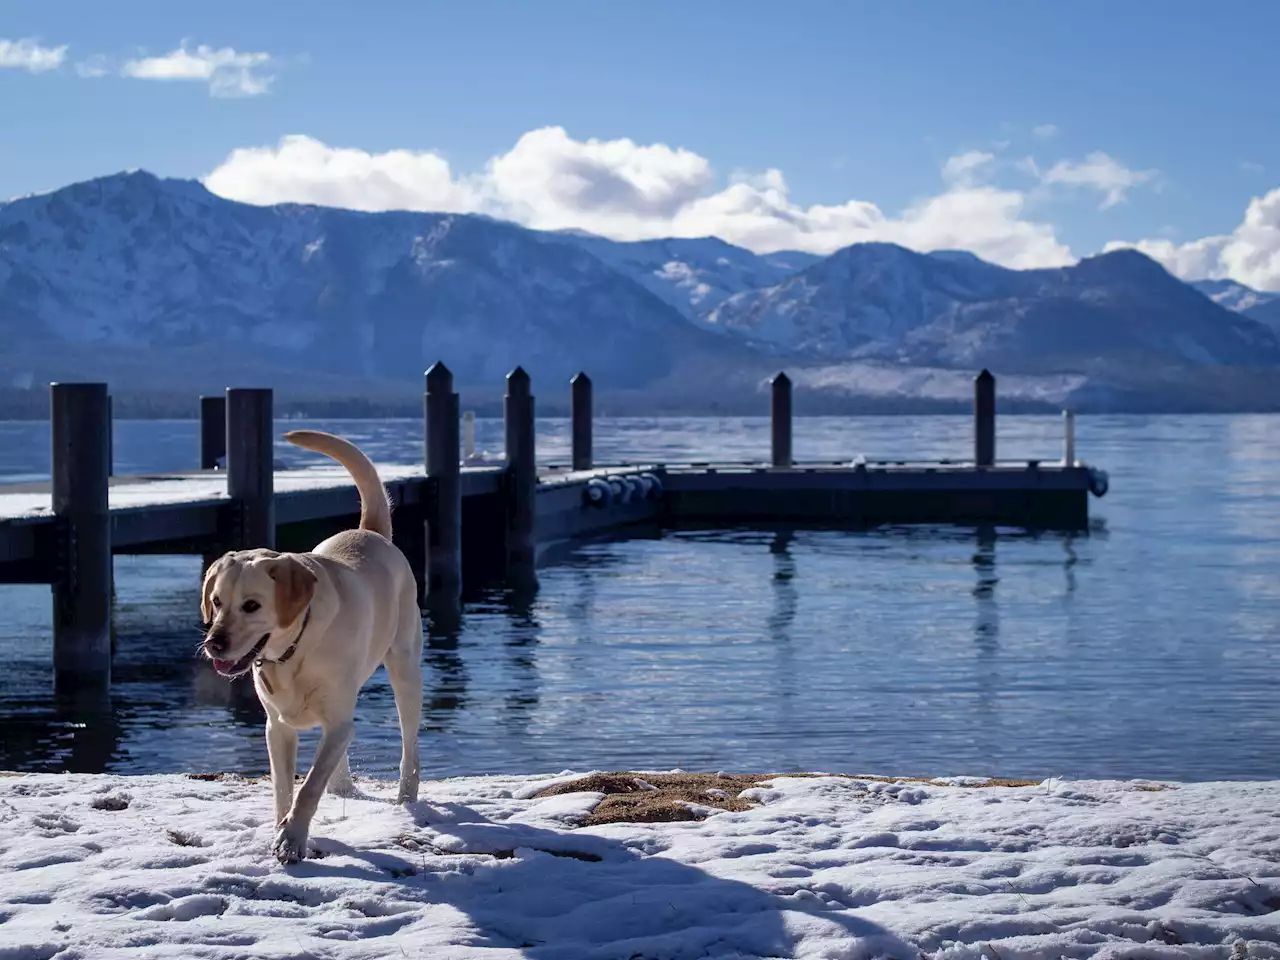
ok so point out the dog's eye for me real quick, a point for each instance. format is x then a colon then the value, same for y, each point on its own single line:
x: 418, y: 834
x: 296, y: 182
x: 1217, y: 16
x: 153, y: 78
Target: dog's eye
x: 216, y: 603
x: 250, y: 606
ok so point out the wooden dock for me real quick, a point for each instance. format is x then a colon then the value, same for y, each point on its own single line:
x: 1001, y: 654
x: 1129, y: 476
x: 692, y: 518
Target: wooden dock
x: 457, y: 522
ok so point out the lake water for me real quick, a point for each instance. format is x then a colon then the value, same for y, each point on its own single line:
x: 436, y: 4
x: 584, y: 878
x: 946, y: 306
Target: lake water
x: 1147, y: 647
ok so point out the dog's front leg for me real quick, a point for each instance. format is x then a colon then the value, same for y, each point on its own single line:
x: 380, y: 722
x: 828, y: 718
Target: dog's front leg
x: 282, y: 750
x: 291, y: 840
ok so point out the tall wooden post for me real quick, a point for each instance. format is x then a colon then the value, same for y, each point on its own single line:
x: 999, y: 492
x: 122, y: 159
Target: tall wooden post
x: 213, y: 431
x: 80, y: 424
x: 984, y: 419
x: 581, y: 387
x: 1068, y: 438
x: 443, y: 518
x: 250, y: 468
x: 780, y: 416
x: 111, y: 437
x: 522, y: 474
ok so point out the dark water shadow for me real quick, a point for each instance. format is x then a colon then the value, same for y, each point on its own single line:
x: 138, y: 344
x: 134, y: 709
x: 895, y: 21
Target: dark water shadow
x: 572, y: 895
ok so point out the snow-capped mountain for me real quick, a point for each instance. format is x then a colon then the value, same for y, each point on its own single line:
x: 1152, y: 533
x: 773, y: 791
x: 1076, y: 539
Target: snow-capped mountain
x: 883, y: 301
x: 159, y: 284
x: 153, y: 265
x: 695, y: 275
x: 1260, y: 305
x: 1232, y: 295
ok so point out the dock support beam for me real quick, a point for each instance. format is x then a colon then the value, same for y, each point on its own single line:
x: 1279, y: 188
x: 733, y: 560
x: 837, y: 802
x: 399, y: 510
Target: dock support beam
x: 443, y: 515
x: 250, y: 468
x: 581, y: 387
x: 213, y: 431
x: 984, y: 419
x: 80, y: 426
x: 522, y: 475
x: 780, y: 416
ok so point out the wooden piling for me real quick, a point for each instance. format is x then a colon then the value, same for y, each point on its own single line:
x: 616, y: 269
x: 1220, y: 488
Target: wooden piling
x: 443, y: 515
x: 581, y: 389
x: 250, y: 468
x: 213, y: 431
x: 80, y: 427
x: 984, y: 419
x: 111, y: 437
x: 780, y: 417
x: 522, y: 474
x: 1068, y: 438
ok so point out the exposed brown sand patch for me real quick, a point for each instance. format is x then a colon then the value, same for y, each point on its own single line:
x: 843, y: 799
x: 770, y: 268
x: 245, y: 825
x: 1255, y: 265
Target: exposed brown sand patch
x: 663, y: 797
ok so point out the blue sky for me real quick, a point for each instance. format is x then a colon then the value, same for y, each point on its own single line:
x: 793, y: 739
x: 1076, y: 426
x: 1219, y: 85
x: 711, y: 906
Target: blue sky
x: 1156, y: 123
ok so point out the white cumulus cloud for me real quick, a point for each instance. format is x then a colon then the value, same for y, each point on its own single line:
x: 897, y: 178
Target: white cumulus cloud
x: 29, y: 55
x: 1100, y: 172
x: 629, y: 191
x: 228, y: 72
x: 1250, y: 254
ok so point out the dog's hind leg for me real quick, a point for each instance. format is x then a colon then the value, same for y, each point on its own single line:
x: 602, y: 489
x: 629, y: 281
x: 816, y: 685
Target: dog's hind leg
x: 404, y: 669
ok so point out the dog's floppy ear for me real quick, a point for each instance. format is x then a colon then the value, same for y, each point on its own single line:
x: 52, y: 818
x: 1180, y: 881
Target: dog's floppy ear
x: 206, y: 589
x: 295, y: 586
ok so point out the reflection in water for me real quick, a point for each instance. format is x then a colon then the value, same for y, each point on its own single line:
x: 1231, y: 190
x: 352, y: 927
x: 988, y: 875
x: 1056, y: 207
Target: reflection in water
x: 781, y: 617
x: 986, y: 630
x: 445, y: 672
x: 1069, y: 564
x: 519, y: 603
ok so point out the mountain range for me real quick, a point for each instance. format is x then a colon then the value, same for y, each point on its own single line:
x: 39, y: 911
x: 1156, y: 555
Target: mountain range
x: 161, y: 287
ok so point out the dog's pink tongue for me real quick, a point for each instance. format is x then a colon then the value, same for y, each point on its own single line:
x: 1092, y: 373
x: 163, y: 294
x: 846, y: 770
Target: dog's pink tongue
x: 222, y: 666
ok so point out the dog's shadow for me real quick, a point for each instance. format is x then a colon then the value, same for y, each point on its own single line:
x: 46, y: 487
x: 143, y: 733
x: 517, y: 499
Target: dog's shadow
x: 566, y: 893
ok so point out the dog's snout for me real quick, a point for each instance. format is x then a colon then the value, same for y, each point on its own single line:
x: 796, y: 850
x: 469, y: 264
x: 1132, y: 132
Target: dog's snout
x: 217, y: 642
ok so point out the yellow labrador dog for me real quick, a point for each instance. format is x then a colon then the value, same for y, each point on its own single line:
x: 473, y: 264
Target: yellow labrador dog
x: 313, y: 627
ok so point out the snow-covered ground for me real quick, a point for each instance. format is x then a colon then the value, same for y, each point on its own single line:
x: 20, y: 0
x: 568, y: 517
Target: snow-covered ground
x: 824, y: 867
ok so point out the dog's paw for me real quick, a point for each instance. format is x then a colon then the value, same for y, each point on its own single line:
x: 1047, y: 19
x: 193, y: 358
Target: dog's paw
x: 290, y: 845
x: 408, y: 792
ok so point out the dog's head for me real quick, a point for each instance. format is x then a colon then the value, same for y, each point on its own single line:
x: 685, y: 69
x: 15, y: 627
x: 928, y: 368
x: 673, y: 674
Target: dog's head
x: 248, y: 597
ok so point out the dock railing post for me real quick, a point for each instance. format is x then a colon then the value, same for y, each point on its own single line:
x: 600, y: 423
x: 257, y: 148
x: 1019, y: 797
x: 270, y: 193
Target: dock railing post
x: 443, y: 516
x: 80, y: 422
x: 213, y: 431
x: 251, y: 467
x: 1068, y: 438
x: 522, y: 474
x: 580, y: 386
x: 780, y: 417
x: 984, y: 419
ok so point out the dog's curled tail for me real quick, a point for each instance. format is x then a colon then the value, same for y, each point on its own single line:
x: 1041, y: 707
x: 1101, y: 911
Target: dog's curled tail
x: 375, y: 508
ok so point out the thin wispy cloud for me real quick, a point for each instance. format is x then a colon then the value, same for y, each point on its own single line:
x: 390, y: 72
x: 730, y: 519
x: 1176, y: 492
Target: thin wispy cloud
x: 1097, y: 171
x: 1046, y: 131
x: 228, y: 72
x: 27, y: 54
x: 93, y: 67
x: 1248, y: 166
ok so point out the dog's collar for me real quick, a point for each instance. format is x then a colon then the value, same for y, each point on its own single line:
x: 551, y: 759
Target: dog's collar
x: 293, y: 647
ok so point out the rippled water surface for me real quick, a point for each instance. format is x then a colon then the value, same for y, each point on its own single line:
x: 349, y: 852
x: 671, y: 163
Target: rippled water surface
x: 1147, y: 647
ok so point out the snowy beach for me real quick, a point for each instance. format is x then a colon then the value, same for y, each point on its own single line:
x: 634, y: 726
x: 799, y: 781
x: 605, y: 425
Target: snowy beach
x: 823, y: 867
